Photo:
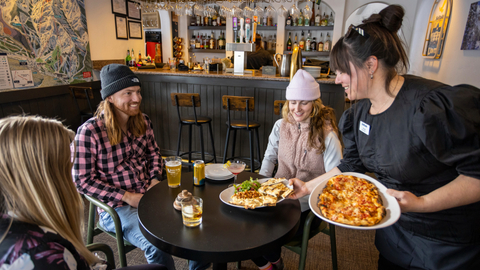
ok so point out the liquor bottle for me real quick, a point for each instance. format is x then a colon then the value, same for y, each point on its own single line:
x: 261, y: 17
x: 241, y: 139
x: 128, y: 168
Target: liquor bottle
x: 269, y: 21
x: 205, y: 21
x: 269, y: 43
x: 313, y: 44
x: 202, y: 42
x: 206, y: 44
x: 128, y: 58
x: 324, y: 20
x: 312, y: 19
x: 289, y: 42
x: 199, y: 20
x: 295, y: 43
x: 198, y: 41
x: 274, y: 42
x: 221, y: 42
x: 320, y: 43
x: 308, y: 42
x: 139, y: 62
x: 192, y: 41
x: 330, y: 20
x: 288, y: 22
x: 212, y: 42
x: 318, y: 17
x: 214, y: 20
x: 193, y: 21
x: 294, y: 21
x: 264, y: 41
x: 306, y: 20
x: 302, y: 42
x: 133, y: 62
x: 209, y: 20
x: 223, y: 20
x: 265, y: 19
x: 219, y: 21
x: 328, y: 43
x: 300, y: 19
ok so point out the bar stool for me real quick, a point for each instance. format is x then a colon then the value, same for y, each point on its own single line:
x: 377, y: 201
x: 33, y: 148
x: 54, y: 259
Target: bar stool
x: 85, y: 93
x: 278, y: 106
x: 246, y: 104
x: 192, y: 100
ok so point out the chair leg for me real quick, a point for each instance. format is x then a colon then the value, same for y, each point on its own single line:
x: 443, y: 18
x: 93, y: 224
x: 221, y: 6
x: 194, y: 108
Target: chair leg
x: 333, y: 246
x: 213, y: 142
x: 239, y: 265
x: 179, y: 138
x: 91, y: 223
x: 234, y: 142
x: 190, y: 144
x: 201, y: 143
x: 252, y: 158
x: 258, y: 148
x: 226, y: 146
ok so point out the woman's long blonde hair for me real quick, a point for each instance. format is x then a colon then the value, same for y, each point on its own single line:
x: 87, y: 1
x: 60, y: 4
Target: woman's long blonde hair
x: 322, y: 118
x: 36, y: 183
x: 136, y: 124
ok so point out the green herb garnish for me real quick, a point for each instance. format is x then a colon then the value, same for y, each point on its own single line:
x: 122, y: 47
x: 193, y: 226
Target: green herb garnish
x: 251, y: 184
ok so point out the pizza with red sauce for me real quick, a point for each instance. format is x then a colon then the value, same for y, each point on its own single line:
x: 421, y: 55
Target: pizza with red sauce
x: 351, y: 200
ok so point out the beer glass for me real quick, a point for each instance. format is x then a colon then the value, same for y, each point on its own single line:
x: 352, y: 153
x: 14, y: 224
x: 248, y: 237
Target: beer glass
x: 173, y: 166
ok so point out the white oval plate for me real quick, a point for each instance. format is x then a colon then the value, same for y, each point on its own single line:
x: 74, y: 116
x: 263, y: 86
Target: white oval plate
x: 226, y: 194
x: 389, y: 202
x: 217, y: 172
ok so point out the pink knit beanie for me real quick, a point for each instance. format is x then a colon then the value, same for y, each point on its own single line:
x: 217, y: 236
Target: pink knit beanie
x: 303, y: 87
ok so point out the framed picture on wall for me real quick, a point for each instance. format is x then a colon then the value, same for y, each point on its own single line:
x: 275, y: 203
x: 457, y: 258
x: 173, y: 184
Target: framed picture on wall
x: 119, y: 7
x: 437, y: 28
x: 471, y: 37
x: 135, y: 30
x: 121, y: 27
x: 134, y: 10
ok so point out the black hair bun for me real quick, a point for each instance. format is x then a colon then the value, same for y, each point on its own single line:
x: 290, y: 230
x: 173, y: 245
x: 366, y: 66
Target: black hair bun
x: 392, y: 17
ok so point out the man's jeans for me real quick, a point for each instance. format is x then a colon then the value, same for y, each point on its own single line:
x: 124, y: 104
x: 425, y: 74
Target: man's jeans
x: 131, y: 232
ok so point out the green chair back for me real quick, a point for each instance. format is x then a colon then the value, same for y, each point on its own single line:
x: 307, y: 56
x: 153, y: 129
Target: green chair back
x: 106, y: 249
x: 300, y: 245
x: 123, y: 245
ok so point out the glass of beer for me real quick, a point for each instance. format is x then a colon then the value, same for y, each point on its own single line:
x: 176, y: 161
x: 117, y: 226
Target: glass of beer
x: 192, y: 210
x: 173, y: 166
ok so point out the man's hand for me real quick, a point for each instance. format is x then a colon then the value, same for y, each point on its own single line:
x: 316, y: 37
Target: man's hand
x: 153, y: 183
x: 299, y: 188
x: 132, y: 198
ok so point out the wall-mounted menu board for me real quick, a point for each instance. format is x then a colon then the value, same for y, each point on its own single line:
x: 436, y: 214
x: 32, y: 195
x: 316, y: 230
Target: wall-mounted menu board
x: 50, y: 41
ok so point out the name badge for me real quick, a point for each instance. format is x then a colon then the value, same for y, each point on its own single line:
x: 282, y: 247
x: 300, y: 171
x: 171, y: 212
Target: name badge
x: 364, y: 127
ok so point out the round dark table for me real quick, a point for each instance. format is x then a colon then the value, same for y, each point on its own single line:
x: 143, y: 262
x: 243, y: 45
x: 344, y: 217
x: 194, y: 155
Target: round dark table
x: 227, y: 234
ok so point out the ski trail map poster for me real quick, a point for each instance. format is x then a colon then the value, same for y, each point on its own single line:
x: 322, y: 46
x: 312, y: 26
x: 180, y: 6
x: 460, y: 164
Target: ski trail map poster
x: 47, y: 37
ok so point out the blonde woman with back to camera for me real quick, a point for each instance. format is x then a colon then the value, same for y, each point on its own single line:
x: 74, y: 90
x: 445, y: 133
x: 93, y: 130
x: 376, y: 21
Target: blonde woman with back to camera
x: 41, y: 211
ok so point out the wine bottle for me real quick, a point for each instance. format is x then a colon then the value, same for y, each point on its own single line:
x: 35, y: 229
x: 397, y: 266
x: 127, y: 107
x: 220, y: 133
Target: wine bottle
x: 289, y: 42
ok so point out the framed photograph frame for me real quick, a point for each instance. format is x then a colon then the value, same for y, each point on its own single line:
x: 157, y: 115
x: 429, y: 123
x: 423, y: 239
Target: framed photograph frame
x: 121, y: 27
x: 133, y: 12
x: 135, y: 30
x: 437, y: 28
x: 119, y: 7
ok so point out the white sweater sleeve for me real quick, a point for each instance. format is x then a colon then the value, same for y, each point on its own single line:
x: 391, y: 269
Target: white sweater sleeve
x: 271, y: 154
x: 333, y: 151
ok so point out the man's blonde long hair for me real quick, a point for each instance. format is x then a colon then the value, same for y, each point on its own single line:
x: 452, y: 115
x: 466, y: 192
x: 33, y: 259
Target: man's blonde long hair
x: 136, y: 124
x: 322, y: 118
x: 36, y: 184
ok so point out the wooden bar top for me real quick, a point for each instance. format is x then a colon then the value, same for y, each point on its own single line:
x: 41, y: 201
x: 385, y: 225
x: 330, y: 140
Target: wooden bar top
x: 256, y: 75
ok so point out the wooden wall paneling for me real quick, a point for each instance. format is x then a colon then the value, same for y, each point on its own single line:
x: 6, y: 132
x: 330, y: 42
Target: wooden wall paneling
x: 164, y: 115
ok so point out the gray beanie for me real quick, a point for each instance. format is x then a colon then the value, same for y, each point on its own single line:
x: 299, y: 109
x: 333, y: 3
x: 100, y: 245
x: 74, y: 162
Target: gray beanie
x: 116, y: 77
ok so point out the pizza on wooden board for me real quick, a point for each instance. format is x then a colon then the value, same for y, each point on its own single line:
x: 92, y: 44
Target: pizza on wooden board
x: 351, y: 200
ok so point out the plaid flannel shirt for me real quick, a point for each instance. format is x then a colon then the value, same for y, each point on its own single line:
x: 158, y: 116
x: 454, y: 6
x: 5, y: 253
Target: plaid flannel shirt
x: 106, y: 172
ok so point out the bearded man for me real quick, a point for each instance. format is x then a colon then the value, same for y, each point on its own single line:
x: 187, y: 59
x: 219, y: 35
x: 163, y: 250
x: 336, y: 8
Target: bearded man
x: 117, y: 158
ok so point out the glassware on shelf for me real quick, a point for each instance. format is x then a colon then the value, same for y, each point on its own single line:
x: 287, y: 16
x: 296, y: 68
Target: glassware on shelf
x: 282, y: 11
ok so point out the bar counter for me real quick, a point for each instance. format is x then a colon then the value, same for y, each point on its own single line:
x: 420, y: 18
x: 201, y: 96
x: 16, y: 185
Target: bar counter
x: 158, y: 84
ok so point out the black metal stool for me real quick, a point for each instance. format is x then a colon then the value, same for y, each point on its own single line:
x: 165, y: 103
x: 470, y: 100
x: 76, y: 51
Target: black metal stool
x: 86, y: 93
x: 192, y: 100
x: 246, y: 104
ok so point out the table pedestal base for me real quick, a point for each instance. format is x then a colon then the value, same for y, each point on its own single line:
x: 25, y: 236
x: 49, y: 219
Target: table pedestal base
x: 219, y: 266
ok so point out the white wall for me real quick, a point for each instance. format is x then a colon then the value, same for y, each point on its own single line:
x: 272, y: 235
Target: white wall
x: 454, y: 66
x: 104, y: 44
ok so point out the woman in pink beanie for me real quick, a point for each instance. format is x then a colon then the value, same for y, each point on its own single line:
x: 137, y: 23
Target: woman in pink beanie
x: 304, y: 144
